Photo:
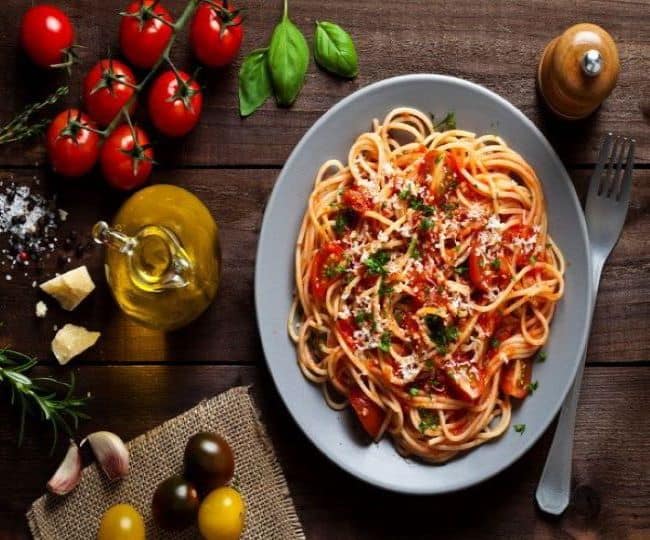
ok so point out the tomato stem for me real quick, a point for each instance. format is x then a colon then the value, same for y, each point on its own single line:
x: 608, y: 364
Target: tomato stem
x: 176, y: 27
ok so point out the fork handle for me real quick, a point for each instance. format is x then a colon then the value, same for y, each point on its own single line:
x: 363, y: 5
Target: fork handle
x: 554, y: 488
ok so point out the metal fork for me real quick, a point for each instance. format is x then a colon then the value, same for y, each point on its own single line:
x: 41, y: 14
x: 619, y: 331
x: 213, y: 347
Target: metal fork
x: 607, y: 203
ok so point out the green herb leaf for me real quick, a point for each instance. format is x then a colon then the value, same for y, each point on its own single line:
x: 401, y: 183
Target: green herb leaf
x: 334, y: 270
x: 427, y: 420
x: 540, y: 356
x: 440, y: 334
x: 495, y: 343
x: 531, y: 387
x: 254, y: 82
x: 448, y: 122
x: 414, y: 391
x: 460, y: 269
x: 288, y: 58
x: 520, y: 428
x: 384, y: 342
x: 362, y: 316
x: 426, y: 224
x: 384, y: 289
x: 376, y: 263
x: 413, y: 250
x: 334, y: 50
x: 340, y: 223
x: 495, y: 264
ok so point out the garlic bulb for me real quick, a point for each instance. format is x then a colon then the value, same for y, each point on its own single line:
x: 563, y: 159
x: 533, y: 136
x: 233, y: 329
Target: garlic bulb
x: 68, y: 475
x: 111, y: 453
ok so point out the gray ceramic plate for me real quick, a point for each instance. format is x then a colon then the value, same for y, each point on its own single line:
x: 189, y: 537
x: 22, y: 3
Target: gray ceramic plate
x: 478, y: 110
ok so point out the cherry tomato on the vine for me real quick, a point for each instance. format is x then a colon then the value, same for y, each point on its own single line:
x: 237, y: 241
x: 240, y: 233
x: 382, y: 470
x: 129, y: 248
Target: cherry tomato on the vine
x: 216, y: 33
x: 126, y: 157
x: 175, y: 102
x: 72, y: 146
x: 107, y: 87
x: 46, y: 34
x: 143, y: 37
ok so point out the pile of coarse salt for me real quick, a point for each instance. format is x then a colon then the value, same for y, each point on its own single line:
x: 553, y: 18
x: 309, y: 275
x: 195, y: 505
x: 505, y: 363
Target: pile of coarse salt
x: 28, y: 226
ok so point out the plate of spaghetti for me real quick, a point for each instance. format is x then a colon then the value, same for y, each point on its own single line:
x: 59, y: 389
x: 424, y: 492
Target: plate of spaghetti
x: 433, y: 306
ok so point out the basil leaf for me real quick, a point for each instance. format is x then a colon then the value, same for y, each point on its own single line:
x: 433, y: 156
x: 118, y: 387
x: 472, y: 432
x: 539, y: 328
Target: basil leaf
x: 254, y: 82
x: 288, y: 60
x: 334, y: 50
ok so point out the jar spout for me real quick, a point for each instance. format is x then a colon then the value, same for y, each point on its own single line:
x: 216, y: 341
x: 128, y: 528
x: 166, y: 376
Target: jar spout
x: 112, y: 238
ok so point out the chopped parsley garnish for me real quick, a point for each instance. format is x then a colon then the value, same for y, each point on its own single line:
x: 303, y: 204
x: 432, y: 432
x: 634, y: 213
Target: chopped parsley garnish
x: 404, y: 194
x: 460, y: 269
x: 448, y: 208
x: 540, y: 356
x: 384, y: 342
x: 414, y: 391
x: 413, y: 250
x: 520, y: 428
x: 448, y: 122
x: 440, y: 334
x: 385, y: 289
x: 418, y: 205
x: 376, y: 263
x: 531, y: 387
x: 340, y: 223
x: 427, y: 421
x: 334, y: 270
x: 495, y: 343
x: 495, y: 264
x: 426, y: 224
x: 362, y: 316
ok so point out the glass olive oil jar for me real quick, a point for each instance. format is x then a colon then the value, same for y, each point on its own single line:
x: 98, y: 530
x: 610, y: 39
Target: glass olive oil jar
x: 163, y: 258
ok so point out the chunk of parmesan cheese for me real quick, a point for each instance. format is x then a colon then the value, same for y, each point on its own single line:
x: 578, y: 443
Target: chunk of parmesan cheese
x: 41, y: 309
x: 71, y: 341
x: 71, y: 288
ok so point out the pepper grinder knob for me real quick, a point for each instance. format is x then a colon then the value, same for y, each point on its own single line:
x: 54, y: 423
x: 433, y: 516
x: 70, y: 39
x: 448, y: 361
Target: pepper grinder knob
x: 578, y: 70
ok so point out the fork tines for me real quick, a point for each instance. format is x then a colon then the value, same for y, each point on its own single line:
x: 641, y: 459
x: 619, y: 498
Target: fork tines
x: 612, y: 177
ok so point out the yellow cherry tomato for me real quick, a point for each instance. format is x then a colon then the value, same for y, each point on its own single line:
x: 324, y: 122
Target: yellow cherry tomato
x: 222, y: 514
x: 121, y: 522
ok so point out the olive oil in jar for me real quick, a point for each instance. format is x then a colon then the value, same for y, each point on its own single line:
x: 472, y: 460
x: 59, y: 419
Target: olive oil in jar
x: 163, y: 257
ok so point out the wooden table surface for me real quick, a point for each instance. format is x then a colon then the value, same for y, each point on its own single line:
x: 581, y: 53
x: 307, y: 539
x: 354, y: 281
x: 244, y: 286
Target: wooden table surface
x: 139, y: 378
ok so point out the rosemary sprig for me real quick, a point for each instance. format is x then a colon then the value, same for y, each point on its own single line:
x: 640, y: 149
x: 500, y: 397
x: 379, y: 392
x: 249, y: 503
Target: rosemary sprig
x: 20, y: 129
x: 29, y: 395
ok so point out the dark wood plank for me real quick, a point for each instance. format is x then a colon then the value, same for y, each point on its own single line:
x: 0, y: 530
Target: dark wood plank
x: 227, y: 332
x: 495, y: 44
x: 611, y: 489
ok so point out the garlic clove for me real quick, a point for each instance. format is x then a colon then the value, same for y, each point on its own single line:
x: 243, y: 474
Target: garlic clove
x: 111, y: 453
x: 68, y: 475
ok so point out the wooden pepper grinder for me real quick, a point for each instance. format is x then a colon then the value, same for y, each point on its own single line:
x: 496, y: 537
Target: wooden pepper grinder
x: 578, y: 70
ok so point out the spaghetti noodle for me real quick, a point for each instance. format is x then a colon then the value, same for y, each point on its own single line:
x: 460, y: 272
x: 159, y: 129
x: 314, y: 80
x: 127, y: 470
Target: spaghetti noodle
x: 425, y: 284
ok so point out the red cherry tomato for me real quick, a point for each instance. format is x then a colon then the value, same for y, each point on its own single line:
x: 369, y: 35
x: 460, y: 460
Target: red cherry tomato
x: 357, y: 199
x: 216, y: 34
x: 46, y: 34
x: 175, y: 103
x: 346, y: 328
x: 368, y: 412
x: 483, y: 274
x: 71, y: 147
x: 126, y: 160
x: 143, y: 38
x: 107, y: 88
x: 515, y: 377
x: 328, y: 256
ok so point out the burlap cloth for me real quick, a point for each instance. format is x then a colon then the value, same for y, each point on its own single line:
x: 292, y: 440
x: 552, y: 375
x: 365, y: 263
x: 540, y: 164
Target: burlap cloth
x: 158, y: 454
